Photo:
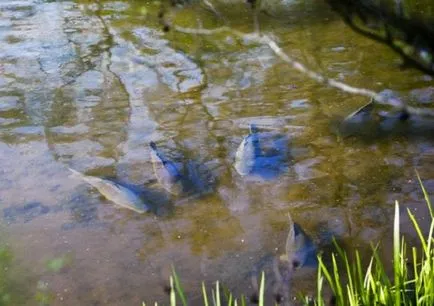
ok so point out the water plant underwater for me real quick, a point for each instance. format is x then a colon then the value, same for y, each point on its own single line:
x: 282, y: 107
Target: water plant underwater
x: 411, y: 283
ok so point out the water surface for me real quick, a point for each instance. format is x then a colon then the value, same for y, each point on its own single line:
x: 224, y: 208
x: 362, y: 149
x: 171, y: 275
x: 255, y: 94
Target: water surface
x: 88, y: 85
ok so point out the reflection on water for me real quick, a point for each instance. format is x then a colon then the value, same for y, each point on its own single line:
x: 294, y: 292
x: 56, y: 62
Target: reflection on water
x: 88, y: 85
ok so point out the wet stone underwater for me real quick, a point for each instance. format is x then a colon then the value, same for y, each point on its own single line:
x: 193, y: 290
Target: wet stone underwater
x: 88, y: 85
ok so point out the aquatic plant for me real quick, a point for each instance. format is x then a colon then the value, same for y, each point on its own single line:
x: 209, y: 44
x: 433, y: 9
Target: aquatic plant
x: 216, y: 297
x: 411, y: 283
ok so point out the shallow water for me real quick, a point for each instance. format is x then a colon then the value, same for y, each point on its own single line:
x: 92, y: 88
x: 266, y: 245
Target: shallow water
x: 88, y: 85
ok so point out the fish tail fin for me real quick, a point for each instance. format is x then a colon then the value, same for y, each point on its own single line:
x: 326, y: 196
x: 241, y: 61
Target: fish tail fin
x: 88, y: 179
x: 76, y: 173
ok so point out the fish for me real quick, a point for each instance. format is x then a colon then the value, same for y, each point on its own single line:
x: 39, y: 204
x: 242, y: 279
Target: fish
x: 166, y: 172
x: 300, y: 251
x: 362, y: 114
x: 363, y: 122
x: 114, y: 192
x: 247, y: 152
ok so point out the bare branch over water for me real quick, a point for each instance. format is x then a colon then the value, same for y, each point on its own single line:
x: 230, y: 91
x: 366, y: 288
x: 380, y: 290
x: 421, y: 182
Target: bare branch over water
x: 272, y: 44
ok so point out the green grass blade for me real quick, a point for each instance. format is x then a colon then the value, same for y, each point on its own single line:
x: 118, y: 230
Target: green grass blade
x: 261, y: 290
x: 243, y: 300
x: 178, y: 288
x: 319, y: 286
x: 338, y: 285
x: 204, y: 294
x: 217, y: 292
x: 214, y: 299
x: 396, y: 256
x: 328, y: 277
x: 425, y: 194
x: 368, y: 283
x: 418, y: 230
x: 172, y: 293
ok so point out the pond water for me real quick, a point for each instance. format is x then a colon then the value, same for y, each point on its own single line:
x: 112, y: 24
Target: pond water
x: 88, y: 85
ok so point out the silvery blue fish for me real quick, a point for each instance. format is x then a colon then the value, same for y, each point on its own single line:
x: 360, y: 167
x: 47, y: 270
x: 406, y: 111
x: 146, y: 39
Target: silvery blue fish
x: 300, y: 251
x: 247, y: 152
x: 364, y: 121
x: 115, y: 193
x: 166, y: 171
x: 361, y: 115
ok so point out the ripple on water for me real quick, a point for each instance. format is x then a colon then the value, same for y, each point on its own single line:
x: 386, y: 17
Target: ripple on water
x: 114, y: 81
x: 25, y: 213
x: 23, y: 134
x: 8, y: 103
x: 175, y: 69
x: 80, y: 147
x: 28, y: 130
x: 8, y: 121
x: 70, y: 130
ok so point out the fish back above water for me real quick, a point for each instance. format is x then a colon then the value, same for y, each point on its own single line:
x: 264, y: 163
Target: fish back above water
x: 113, y: 192
x: 300, y: 249
x: 363, y: 121
x: 253, y: 128
x: 166, y: 171
x: 246, y: 154
x: 361, y: 114
x: 300, y: 252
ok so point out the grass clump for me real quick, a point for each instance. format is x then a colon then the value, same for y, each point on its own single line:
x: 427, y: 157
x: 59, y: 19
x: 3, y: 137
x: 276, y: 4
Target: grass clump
x: 413, y: 275
x: 412, y: 282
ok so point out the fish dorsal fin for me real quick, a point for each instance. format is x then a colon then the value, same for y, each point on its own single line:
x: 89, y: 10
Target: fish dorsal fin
x: 166, y: 163
x: 153, y: 145
x: 254, y: 138
x: 156, y: 152
x: 253, y: 128
x: 365, y: 109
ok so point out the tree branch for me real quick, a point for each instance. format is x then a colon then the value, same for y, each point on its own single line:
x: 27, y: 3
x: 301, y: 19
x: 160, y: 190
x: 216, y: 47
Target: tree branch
x: 267, y: 40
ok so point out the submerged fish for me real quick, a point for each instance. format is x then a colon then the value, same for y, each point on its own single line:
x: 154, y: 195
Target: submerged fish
x: 166, y: 171
x: 115, y: 193
x: 361, y: 115
x: 363, y: 122
x: 247, y: 152
x: 300, y: 251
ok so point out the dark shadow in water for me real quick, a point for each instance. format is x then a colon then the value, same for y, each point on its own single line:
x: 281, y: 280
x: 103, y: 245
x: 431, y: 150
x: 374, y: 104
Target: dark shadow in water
x: 200, y: 180
x: 196, y: 178
x: 84, y: 213
x: 158, y: 202
x: 26, y: 212
x: 388, y: 126
x: 393, y: 28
